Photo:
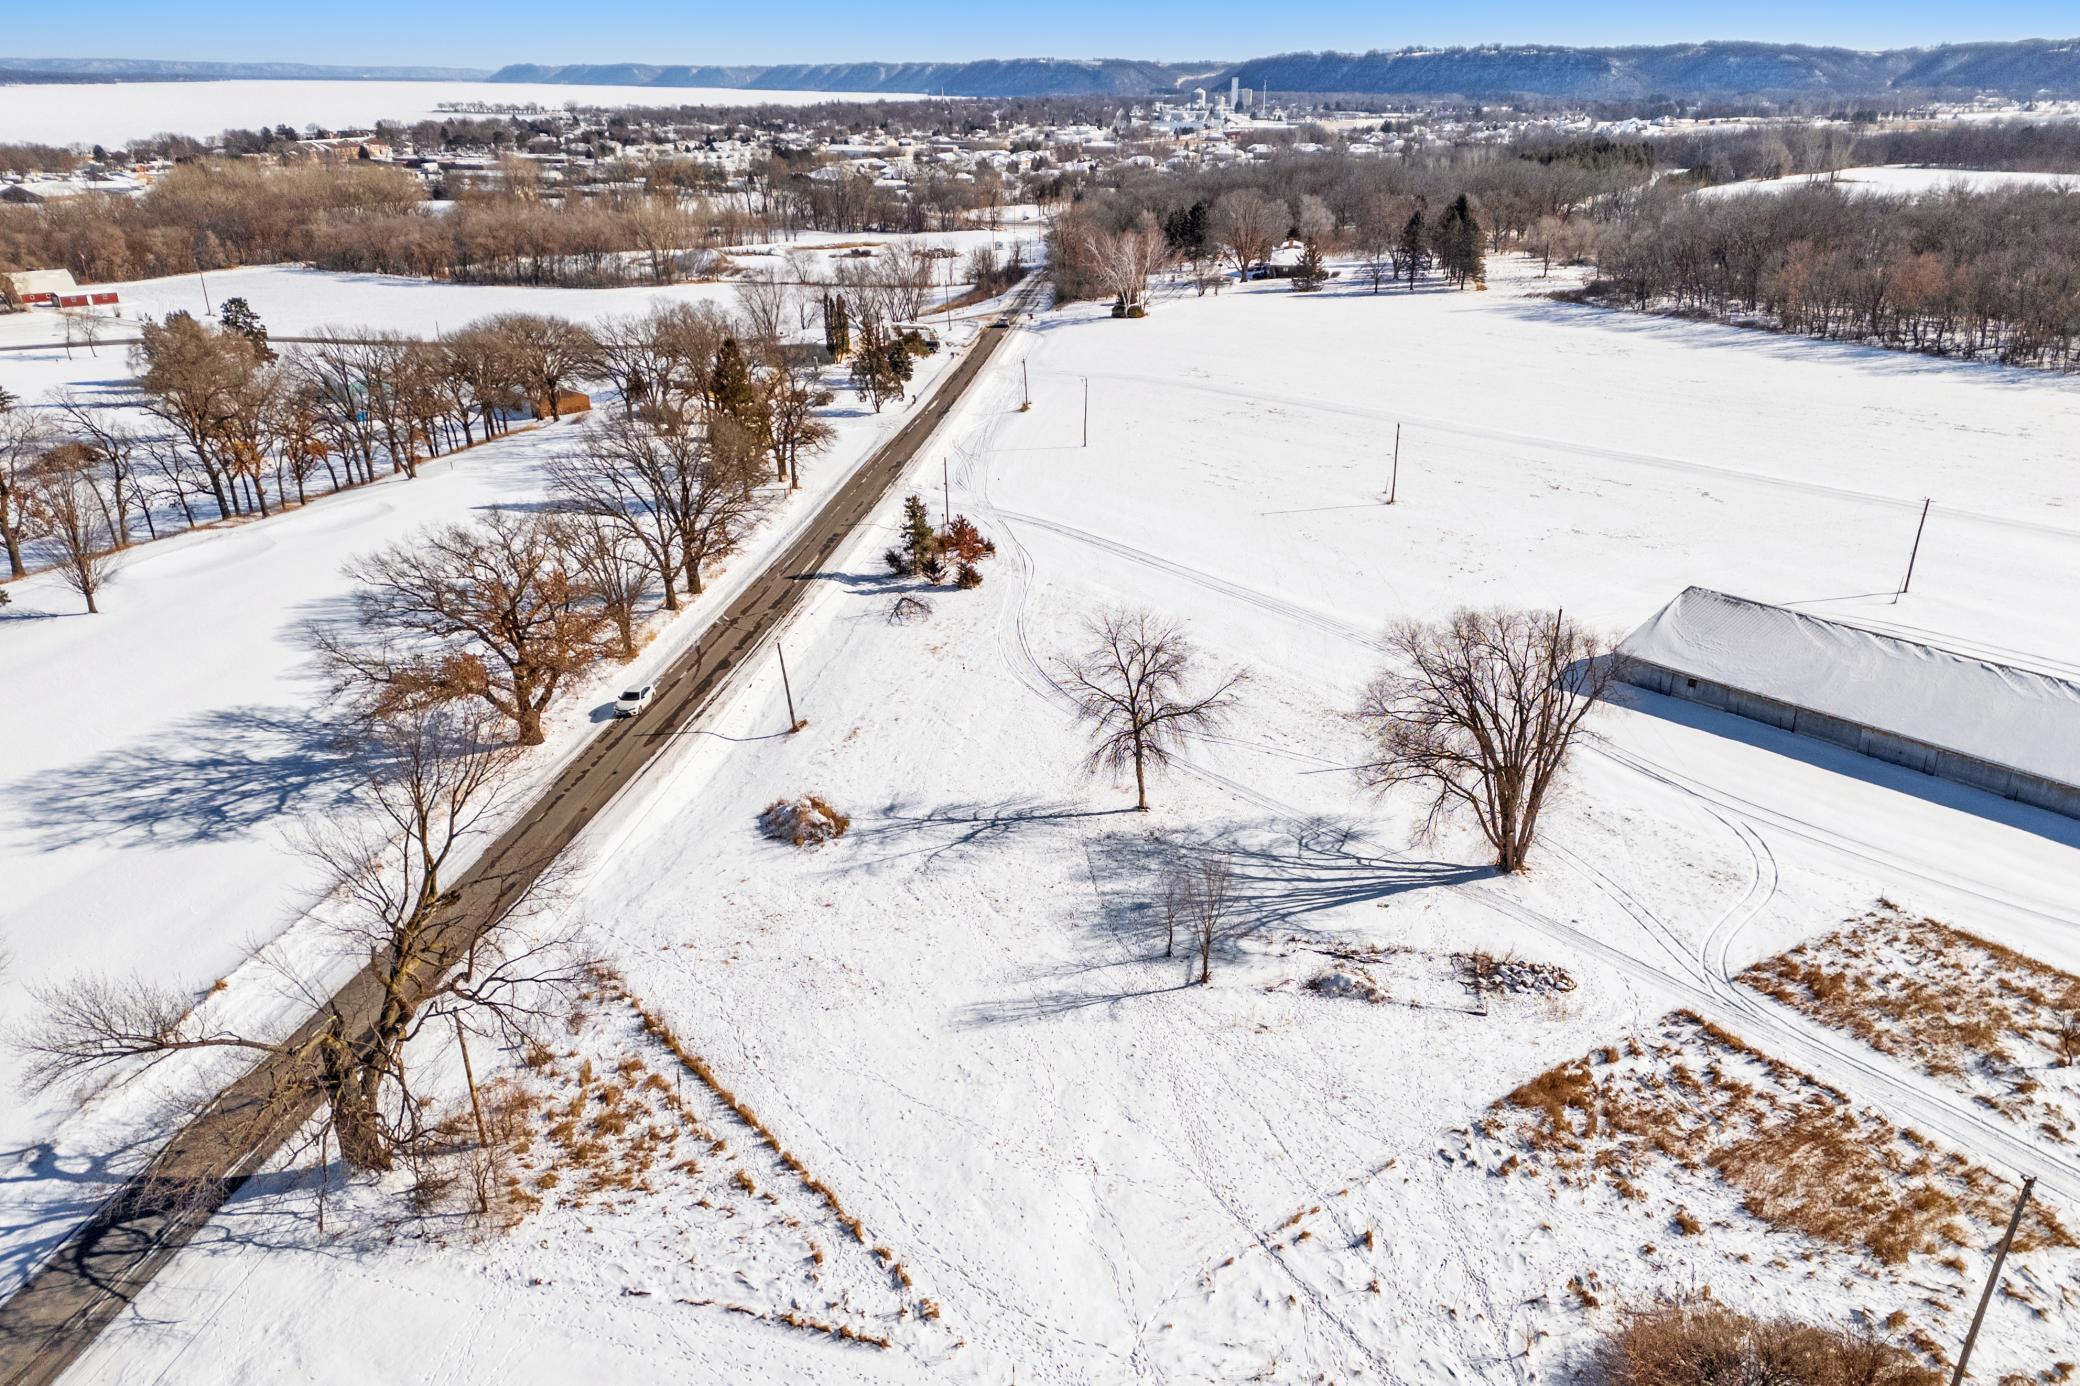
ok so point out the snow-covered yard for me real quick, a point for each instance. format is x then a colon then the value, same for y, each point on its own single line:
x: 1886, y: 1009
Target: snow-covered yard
x: 959, y: 1015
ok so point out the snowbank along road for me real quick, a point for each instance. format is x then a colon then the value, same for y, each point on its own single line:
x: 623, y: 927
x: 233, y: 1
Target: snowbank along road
x: 47, y: 1323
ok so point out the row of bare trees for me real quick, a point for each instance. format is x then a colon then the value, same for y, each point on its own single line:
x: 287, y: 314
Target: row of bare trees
x: 1395, y: 237
x: 243, y: 429
x: 461, y: 639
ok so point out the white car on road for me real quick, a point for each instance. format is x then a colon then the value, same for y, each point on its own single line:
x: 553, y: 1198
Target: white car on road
x: 634, y: 700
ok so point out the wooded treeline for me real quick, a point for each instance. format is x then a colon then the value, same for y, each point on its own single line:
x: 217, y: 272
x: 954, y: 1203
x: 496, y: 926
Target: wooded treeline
x: 1990, y: 275
x: 507, y: 227
x: 224, y: 425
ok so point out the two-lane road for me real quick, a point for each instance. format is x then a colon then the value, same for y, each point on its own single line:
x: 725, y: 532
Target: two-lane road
x: 52, y: 1318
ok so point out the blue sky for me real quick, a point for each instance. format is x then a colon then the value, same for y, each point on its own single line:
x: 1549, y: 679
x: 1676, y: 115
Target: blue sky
x: 479, y: 33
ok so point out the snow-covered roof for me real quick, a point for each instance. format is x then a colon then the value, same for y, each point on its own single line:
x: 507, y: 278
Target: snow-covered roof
x: 42, y: 281
x: 2012, y: 717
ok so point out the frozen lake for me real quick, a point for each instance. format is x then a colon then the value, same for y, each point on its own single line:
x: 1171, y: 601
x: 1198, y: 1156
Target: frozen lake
x: 113, y: 113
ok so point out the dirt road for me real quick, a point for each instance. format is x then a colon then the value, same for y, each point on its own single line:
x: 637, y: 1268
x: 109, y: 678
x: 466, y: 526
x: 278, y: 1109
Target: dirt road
x: 52, y: 1318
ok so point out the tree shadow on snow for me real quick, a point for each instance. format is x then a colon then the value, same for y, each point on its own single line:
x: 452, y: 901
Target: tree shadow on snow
x: 932, y: 834
x: 204, y: 779
x: 1703, y: 333
x: 1287, y: 878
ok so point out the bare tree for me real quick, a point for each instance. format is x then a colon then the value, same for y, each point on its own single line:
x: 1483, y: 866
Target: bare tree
x: 1483, y: 715
x: 615, y: 568
x: 793, y: 390
x: 545, y: 354
x: 1125, y: 261
x: 70, y: 509
x: 1202, y: 895
x: 763, y: 298
x: 623, y: 473
x: 1198, y: 895
x: 24, y: 438
x: 114, y: 446
x: 1248, y: 226
x: 903, y: 279
x: 429, y: 782
x: 1129, y: 687
x: 1378, y: 238
x: 496, y: 611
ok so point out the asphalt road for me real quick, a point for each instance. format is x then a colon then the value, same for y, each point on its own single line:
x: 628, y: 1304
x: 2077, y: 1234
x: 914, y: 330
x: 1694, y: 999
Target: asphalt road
x: 47, y: 1323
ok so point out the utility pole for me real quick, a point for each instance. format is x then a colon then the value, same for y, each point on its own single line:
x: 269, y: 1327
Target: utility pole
x: 2029, y: 1181
x: 1915, y: 553
x: 1086, y: 411
x: 945, y: 496
x: 794, y: 723
x: 1394, y: 483
x: 203, y: 280
x: 470, y: 1075
x: 1025, y: 378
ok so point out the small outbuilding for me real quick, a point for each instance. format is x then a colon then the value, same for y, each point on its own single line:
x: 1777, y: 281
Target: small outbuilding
x: 44, y: 287
x: 2010, y: 731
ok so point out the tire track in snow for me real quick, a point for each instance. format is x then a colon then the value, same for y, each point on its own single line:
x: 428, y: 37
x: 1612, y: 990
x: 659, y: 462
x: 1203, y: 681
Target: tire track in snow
x: 1935, y: 1109
x: 1822, y: 1052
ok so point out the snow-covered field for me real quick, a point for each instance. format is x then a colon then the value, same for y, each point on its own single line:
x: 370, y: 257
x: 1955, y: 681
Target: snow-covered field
x: 293, y: 300
x: 1911, y: 180
x: 114, y: 113
x: 958, y: 1016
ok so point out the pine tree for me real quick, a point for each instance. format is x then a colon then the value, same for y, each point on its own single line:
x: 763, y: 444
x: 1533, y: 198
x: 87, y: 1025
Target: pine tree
x: 1459, y: 244
x: 874, y: 369
x: 730, y: 386
x: 1415, y: 246
x: 837, y: 326
x: 239, y: 319
x: 918, y: 554
x: 1310, y: 274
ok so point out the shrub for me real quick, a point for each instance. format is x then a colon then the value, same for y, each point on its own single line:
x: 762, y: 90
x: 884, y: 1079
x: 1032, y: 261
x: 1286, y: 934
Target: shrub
x: 1700, y: 1342
x: 804, y: 822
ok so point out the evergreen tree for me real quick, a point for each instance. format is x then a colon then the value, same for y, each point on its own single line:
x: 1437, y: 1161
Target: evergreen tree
x: 918, y: 553
x: 1459, y: 244
x: 239, y: 318
x: 730, y: 385
x: 1185, y: 231
x: 1310, y: 274
x: 837, y: 326
x: 1415, y: 246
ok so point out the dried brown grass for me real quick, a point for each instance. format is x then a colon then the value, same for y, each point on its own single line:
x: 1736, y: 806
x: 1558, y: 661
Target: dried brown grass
x: 1957, y: 1006
x: 1800, y: 1156
x: 1702, y: 1341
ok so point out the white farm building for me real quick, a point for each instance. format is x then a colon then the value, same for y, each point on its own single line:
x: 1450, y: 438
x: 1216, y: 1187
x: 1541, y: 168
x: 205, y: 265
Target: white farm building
x: 2012, y: 732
